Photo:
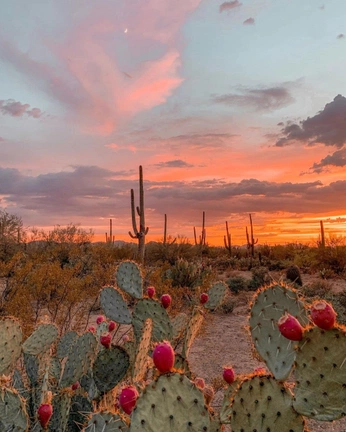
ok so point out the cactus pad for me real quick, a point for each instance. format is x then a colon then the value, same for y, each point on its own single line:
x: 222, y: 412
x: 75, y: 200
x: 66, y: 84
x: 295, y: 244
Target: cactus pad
x: 217, y: 294
x: 129, y: 279
x: 41, y: 339
x: 148, y: 308
x: 172, y: 403
x: 106, y: 422
x: 263, y: 404
x: 226, y: 410
x: 179, y: 323
x: 141, y: 360
x: 320, y: 391
x: 13, y: 416
x: 10, y: 344
x: 110, y: 367
x: 268, y: 307
x: 66, y: 343
x: 114, y: 306
x: 61, y: 409
x: 192, y: 329
x: 79, y: 360
x: 80, y: 410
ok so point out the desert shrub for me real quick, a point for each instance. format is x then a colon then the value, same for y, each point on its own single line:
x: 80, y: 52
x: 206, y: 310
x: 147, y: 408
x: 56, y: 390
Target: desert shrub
x: 237, y: 283
x: 228, y: 305
x: 293, y: 275
x: 260, y: 277
x: 189, y: 274
x: 318, y: 288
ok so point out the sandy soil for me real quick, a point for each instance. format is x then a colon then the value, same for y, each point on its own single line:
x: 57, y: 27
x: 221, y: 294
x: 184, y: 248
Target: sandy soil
x: 224, y: 340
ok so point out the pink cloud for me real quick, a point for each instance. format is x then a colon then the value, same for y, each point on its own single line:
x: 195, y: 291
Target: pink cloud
x: 90, y: 78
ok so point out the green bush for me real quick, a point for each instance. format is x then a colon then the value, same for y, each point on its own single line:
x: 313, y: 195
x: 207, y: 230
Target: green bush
x: 237, y: 283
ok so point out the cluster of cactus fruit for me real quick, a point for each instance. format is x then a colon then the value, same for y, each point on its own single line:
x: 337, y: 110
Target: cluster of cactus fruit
x: 90, y: 383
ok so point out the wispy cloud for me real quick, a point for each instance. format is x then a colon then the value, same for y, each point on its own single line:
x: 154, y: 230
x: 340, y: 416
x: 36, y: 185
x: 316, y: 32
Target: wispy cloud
x: 327, y: 127
x: 340, y: 36
x: 337, y: 159
x: 176, y: 163
x: 229, y: 5
x: 258, y: 98
x: 249, y: 21
x: 17, y: 109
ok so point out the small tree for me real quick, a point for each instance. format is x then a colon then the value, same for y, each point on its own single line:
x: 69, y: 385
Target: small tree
x: 12, y: 234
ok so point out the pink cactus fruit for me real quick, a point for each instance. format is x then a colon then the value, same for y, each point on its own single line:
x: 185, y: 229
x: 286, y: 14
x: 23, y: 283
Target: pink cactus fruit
x: 228, y: 374
x: 111, y: 326
x: 128, y: 399
x: 323, y: 315
x: 92, y: 329
x: 75, y: 385
x: 290, y: 327
x: 164, y: 357
x: 166, y: 300
x: 204, y: 297
x: 100, y: 319
x: 126, y: 338
x: 151, y: 292
x: 106, y: 340
x: 44, y: 413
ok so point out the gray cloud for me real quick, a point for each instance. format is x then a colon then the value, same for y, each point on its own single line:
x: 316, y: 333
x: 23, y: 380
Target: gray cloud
x: 17, y: 109
x: 340, y: 36
x: 260, y: 99
x: 176, y: 163
x: 337, y: 159
x: 249, y: 21
x: 327, y: 127
x: 228, y: 5
x: 90, y: 194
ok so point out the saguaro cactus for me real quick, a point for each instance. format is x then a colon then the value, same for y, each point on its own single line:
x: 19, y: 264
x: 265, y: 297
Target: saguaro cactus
x: 143, y: 230
x: 203, y: 236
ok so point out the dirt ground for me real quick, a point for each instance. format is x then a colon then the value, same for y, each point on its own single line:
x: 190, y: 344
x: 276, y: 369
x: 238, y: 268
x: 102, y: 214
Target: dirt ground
x: 224, y: 340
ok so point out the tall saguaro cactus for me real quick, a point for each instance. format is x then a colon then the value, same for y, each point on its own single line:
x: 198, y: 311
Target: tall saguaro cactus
x: 140, y: 233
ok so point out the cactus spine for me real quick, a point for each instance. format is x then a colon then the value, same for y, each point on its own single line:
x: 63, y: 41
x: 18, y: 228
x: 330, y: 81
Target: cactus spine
x: 140, y: 233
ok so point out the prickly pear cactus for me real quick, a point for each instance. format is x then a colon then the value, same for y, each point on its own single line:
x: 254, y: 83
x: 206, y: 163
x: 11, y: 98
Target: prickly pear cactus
x: 263, y: 404
x: 139, y: 367
x: 79, y: 360
x: 13, y: 416
x: 81, y: 409
x: 216, y: 295
x: 61, y: 409
x: 114, y: 306
x: 182, y: 365
x: 105, y: 421
x: 129, y: 279
x: 66, y: 343
x: 148, y: 308
x: 10, y: 344
x: 268, y: 307
x: 110, y: 367
x: 226, y: 409
x: 171, y: 403
x: 179, y: 323
x: 192, y: 329
x: 320, y: 391
x: 41, y: 339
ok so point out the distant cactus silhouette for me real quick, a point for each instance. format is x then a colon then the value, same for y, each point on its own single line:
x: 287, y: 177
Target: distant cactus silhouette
x: 293, y: 275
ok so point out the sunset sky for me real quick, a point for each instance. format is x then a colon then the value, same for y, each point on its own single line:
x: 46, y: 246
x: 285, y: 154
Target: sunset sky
x: 231, y: 108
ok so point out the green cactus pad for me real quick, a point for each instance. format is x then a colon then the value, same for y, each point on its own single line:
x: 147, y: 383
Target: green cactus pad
x: 171, y: 403
x: 215, y: 424
x: 79, y: 360
x: 80, y: 410
x: 110, y: 367
x: 182, y: 365
x: 66, y: 343
x: 13, y: 416
x: 88, y: 383
x: 320, y: 391
x: 54, y: 368
x: 217, y: 294
x: 114, y: 306
x: 129, y: 279
x: 141, y: 360
x: 148, y: 308
x: 41, y: 339
x: 269, y: 305
x: 10, y: 344
x: 18, y: 384
x: 106, y: 422
x: 192, y: 329
x: 61, y: 409
x: 263, y: 404
x: 179, y: 323
x: 130, y: 348
x: 32, y: 365
x: 226, y: 410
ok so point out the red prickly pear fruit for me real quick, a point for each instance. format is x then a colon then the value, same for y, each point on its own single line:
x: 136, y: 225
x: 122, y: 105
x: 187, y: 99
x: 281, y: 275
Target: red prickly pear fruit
x: 323, y: 315
x: 163, y: 357
x: 151, y: 292
x: 92, y: 329
x: 44, y: 413
x: 76, y: 385
x: 100, y: 319
x: 126, y: 338
x: 128, y: 398
x: 106, y: 340
x: 199, y: 382
x: 166, y: 300
x: 204, y: 298
x: 111, y: 326
x: 228, y: 374
x: 290, y: 327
